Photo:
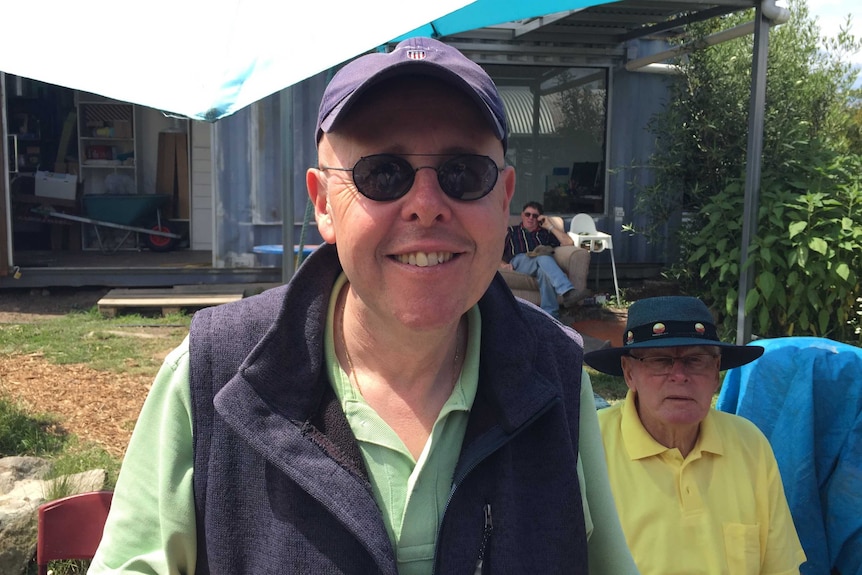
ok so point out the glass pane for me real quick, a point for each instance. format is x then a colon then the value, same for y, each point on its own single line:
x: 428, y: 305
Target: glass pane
x: 557, y: 122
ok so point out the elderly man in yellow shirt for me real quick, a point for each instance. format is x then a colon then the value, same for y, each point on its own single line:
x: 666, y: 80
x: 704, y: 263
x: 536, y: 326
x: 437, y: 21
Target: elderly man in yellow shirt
x: 698, y: 490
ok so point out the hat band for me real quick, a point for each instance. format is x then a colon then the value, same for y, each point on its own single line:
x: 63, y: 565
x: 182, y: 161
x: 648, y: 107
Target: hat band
x: 670, y: 330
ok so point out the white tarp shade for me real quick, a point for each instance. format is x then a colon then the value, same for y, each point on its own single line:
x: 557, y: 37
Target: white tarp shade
x: 208, y: 59
x: 201, y: 59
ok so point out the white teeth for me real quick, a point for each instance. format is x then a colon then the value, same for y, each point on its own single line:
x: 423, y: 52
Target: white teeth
x: 423, y: 259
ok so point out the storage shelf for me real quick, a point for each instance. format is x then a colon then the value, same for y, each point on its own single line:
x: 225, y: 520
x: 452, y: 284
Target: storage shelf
x: 106, y: 146
x: 108, y: 166
x: 106, y: 139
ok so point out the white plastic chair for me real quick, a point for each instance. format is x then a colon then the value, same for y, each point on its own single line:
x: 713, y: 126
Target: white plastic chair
x: 582, y: 230
x: 583, y: 224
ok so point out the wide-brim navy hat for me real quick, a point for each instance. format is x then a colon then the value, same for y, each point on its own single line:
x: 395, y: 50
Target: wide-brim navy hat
x: 669, y: 321
x: 414, y: 56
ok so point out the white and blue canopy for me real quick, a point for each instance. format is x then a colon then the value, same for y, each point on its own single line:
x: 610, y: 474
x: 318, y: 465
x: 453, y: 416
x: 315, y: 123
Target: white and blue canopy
x: 207, y: 59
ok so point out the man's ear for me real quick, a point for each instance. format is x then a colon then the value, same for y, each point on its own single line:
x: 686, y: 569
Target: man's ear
x: 508, y: 175
x: 509, y: 179
x: 626, y: 364
x: 315, y: 181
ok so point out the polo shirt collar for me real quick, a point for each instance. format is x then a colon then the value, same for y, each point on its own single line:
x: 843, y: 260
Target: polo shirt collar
x: 639, y: 444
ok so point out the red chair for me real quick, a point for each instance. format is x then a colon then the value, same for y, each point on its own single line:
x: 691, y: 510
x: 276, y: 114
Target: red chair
x: 71, y: 527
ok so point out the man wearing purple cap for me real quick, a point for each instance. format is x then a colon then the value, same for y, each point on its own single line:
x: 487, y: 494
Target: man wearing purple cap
x: 375, y: 415
x: 698, y: 490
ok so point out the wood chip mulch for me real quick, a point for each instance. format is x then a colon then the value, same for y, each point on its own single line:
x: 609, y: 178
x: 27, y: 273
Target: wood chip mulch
x: 95, y: 406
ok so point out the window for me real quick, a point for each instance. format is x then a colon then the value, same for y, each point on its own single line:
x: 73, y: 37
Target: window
x: 557, y: 129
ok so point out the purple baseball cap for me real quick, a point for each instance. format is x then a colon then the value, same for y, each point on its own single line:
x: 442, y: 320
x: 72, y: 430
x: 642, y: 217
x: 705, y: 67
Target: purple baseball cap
x: 419, y: 56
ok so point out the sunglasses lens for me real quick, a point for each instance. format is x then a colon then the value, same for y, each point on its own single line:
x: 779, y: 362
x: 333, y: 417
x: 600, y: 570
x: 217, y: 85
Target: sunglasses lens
x: 467, y: 177
x: 383, y: 177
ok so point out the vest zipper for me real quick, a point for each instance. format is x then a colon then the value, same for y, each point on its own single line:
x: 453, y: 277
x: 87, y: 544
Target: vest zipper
x: 486, y: 537
x: 483, y: 448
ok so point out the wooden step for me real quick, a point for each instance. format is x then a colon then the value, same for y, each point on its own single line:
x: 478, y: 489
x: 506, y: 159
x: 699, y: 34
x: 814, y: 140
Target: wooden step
x: 168, y: 300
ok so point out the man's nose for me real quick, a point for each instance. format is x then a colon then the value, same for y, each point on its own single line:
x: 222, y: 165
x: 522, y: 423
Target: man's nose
x: 426, y: 201
x: 678, y: 368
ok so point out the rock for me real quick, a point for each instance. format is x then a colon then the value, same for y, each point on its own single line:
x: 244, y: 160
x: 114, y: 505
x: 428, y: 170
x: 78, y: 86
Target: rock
x: 17, y: 542
x: 13, y: 469
x: 22, y: 491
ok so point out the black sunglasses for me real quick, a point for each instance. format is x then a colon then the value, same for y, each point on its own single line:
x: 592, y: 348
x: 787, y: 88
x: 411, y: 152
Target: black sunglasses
x: 386, y: 177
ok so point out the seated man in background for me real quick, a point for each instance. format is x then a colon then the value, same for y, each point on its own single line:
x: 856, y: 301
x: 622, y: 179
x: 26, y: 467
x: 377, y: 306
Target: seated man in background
x: 698, y: 490
x: 529, y: 248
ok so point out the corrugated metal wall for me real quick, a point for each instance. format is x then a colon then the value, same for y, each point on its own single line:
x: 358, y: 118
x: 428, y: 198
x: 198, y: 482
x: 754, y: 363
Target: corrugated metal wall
x: 248, y: 155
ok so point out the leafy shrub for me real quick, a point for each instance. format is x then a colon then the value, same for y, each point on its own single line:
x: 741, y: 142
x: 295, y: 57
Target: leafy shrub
x: 805, y: 254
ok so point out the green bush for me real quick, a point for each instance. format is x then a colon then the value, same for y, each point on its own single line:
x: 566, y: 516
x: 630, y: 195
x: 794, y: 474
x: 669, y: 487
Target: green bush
x: 805, y: 254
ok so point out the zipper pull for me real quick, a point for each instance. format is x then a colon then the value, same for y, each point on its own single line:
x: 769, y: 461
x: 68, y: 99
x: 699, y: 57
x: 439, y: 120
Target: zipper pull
x: 486, y: 536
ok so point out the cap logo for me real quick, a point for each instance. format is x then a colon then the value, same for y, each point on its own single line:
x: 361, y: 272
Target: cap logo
x: 416, y: 54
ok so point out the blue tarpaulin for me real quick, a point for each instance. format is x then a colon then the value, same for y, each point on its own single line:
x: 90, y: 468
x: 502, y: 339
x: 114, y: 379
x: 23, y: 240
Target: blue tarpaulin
x: 805, y: 394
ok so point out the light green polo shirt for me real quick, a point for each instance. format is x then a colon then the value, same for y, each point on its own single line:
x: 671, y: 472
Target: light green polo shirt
x: 412, y: 494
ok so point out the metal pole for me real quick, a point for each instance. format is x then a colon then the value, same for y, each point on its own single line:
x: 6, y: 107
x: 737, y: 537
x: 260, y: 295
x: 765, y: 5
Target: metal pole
x: 287, y: 216
x: 752, y: 172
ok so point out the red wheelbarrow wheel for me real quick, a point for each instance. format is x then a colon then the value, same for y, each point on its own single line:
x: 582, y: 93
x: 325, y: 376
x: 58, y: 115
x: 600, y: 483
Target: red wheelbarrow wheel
x: 158, y: 243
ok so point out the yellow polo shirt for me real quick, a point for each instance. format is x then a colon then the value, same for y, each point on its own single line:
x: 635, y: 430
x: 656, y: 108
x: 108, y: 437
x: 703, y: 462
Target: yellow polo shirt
x: 721, y: 510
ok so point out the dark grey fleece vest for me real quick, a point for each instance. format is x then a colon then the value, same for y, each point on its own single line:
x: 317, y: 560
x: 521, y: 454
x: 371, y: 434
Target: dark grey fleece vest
x: 280, y: 486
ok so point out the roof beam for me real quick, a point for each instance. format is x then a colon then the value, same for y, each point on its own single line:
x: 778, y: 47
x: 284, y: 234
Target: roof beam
x: 688, y: 18
x: 540, y: 22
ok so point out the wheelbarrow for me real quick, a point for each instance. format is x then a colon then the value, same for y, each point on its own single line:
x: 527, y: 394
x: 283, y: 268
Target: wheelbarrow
x: 133, y: 213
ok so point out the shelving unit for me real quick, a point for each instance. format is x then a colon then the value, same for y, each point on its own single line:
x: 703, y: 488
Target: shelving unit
x: 107, y: 150
x: 106, y: 145
x: 40, y: 127
x: 26, y: 145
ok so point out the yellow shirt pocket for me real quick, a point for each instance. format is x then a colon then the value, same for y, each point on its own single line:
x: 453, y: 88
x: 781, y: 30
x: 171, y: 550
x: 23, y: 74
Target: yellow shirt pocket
x: 742, y: 548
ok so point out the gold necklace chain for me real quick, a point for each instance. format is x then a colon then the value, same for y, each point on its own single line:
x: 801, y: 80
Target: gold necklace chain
x: 351, y: 375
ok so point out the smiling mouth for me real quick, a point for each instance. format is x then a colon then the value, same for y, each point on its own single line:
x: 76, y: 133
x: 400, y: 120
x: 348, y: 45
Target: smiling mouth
x: 425, y: 259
